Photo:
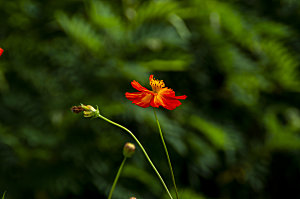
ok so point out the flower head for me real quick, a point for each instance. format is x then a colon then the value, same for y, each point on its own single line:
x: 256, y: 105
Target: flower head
x: 1, y: 51
x: 159, y: 96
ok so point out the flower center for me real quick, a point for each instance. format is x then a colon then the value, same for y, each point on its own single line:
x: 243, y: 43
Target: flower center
x: 156, y: 84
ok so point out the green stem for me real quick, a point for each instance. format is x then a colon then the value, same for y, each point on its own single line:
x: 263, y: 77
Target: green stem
x: 167, y: 154
x: 4, y: 195
x: 116, y: 178
x: 144, y: 151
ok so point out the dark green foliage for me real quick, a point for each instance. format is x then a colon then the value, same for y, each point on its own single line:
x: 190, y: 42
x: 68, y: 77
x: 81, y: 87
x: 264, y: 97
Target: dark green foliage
x: 235, y: 136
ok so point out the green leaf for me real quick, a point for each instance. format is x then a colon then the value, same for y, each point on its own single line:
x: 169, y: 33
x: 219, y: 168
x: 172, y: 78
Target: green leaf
x: 213, y: 132
x: 166, y: 65
x: 81, y: 31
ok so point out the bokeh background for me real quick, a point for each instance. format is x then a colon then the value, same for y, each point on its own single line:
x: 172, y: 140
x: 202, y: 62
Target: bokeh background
x: 235, y: 136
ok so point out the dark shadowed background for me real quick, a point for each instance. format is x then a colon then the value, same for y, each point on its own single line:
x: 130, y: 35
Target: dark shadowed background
x: 235, y: 136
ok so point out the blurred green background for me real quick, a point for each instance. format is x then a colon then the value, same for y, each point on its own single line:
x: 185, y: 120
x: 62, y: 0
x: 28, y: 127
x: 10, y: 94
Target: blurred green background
x: 235, y: 136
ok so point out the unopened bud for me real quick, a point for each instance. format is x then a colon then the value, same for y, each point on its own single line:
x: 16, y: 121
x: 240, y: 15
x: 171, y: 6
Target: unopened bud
x: 128, y: 149
x: 88, y: 110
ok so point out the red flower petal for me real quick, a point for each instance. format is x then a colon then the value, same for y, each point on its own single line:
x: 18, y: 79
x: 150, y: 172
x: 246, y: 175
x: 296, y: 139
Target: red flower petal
x: 167, y: 99
x: 137, y: 86
x: 151, y: 78
x: 1, y: 51
x: 167, y: 92
x: 166, y: 102
x: 171, y: 103
x: 141, y: 99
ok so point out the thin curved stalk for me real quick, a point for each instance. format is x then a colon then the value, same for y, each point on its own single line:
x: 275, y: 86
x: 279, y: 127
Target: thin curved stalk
x: 4, y: 195
x: 167, y: 154
x: 116, y: 178
x: 144, y: 151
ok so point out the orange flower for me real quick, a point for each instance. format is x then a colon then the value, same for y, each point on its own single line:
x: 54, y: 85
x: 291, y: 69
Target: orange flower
x: 159, y: 96
x: 1, y: 51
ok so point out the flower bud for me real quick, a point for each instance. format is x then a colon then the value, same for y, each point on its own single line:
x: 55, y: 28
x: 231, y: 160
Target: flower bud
x: 128, y: 149
x: 89, y: 111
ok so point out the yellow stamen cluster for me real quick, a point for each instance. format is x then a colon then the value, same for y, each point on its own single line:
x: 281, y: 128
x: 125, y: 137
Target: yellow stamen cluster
x: 157, y: 84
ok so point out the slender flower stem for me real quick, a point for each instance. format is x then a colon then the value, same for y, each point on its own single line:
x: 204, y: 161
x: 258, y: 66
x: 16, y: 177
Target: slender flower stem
x: 116, y: 178
x: 167, y: 154
x: 4, y: 195
x: 144, y: 151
